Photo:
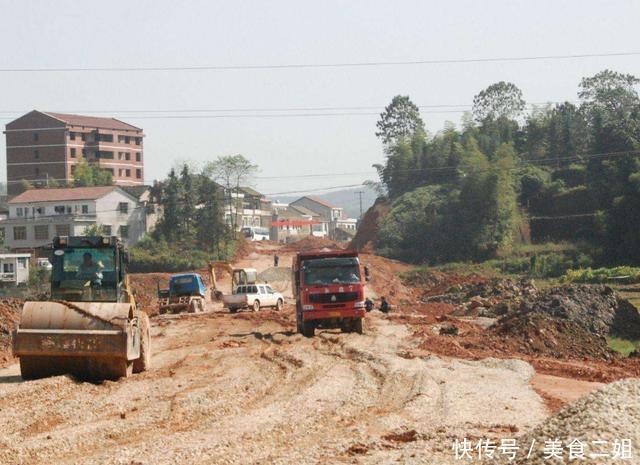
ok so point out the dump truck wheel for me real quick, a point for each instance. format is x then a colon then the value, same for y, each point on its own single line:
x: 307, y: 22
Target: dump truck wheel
x: 256, y: 305
x: 346, y: 326
x: 308, y: 329
x: 233, y: 310
x: 280, y: 305
x: 357, y: 326
x: 144, y: 362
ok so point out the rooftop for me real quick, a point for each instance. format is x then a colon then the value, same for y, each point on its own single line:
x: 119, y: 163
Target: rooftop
x: 320, y: 201
x: 93, y: 121
x: 62, y: 194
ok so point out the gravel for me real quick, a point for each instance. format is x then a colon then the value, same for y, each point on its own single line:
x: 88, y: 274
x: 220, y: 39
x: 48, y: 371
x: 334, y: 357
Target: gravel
x: 610, y: 414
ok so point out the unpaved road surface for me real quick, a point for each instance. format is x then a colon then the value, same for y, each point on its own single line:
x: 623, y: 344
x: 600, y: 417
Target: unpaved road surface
x: 245, y: 388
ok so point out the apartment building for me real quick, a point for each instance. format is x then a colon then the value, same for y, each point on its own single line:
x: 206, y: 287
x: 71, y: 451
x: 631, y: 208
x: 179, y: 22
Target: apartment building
x: 38, y: 215
x: 42, y: 146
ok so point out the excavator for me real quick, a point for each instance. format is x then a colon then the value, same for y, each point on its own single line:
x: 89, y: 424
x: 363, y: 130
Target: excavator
x: 91, y: 327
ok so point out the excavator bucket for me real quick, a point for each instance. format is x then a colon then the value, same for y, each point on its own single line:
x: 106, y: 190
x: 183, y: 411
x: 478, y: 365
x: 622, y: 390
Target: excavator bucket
x: 90, y: 340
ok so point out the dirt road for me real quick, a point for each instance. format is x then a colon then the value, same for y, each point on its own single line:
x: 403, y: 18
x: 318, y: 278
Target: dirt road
x: 245, y: 388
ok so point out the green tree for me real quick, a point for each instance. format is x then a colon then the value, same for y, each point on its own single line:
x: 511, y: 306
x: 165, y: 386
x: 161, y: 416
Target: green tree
x: 187, y: 208
x: 400, y: 119
x: 86, y: 174
x: 169, y: 224
x: 232, y: 171
x: 94, y: 230
x: 499, y: 100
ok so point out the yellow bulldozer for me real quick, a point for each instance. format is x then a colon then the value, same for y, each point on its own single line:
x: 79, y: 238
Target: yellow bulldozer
x: 91, y: 327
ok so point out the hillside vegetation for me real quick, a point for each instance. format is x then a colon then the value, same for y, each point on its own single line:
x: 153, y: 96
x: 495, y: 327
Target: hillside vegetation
x: 563, y: 173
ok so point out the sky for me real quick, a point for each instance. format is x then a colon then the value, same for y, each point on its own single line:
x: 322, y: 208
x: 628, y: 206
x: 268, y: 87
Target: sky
x: 285, y: 145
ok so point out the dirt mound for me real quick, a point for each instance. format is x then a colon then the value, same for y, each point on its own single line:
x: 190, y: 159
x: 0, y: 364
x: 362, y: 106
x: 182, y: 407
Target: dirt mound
x: 367, y: 233
x: 145, y: 289
x: 597, y: 421
x: 533, y: 333
x: 9, y: 317
x: 310, y: 243
x: 597, y: 308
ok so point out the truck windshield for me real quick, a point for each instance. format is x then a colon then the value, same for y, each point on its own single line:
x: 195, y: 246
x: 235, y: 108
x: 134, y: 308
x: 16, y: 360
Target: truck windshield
x: 84, y: 274
x: 323, y: 271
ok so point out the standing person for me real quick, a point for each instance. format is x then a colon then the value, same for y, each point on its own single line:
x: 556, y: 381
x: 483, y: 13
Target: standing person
x: 276, y: 259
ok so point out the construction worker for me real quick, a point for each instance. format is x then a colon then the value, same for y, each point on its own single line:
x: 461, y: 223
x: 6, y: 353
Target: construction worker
x: 384, y: 305
x: 276, y: 259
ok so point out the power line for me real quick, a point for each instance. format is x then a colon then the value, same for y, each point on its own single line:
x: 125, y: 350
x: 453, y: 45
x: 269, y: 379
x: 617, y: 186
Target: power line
x: 268, y: 109
x: 362, y: 64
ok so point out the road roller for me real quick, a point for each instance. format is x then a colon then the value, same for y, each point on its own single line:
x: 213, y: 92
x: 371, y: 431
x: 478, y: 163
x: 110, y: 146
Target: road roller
x: 90, y: 328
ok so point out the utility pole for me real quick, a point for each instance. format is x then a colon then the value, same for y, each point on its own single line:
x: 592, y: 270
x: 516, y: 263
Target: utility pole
x: 360, y: 194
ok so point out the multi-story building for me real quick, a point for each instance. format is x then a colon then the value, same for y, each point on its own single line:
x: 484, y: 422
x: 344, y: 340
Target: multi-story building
x: 38, y: 215
x: 42, y: 146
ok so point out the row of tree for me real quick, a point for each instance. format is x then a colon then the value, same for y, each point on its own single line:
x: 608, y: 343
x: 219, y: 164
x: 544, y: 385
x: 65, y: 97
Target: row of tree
x: 464, y: 191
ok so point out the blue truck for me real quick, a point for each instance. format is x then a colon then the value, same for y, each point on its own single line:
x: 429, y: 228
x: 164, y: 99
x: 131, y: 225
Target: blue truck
x: 186, y: 292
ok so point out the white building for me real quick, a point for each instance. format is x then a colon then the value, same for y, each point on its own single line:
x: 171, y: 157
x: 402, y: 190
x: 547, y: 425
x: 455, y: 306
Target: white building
x: 38, y: 215
x: 14, y: 268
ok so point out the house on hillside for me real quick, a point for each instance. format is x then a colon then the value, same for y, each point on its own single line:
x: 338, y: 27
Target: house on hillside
x: 331, y: 217
x: 38, y: 215
x: 246, y: 207
x: 43, y: 146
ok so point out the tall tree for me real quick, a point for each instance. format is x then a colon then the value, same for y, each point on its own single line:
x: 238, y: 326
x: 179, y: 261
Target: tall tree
x: 232, y: 171
x: 400, y: 119
x: 187, y: 200
x: 499, y: 100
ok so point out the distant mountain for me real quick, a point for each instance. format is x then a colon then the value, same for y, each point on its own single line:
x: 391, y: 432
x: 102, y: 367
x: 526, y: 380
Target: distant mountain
x: 347, y: 199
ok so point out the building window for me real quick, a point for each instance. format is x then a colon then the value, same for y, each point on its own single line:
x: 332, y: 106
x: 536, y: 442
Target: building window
x: 41, y: 232
x: 19, y: 211
x: 107, y: 229
x: 127, y: 140
x: 104, y: 137
x: 138, y: 140
x: 36, y: 154
x: 127, y: 173
x: 38, y: 210
x: 2, y: 235
x: 19, y: 233
x: 127, y: 156
x: 124, y: 232
x: 73, y: 153
x: 120, y: 172
x: 63, y: 230
x: 85, y: 209
x: 123, y: 207
x: 22, y: 262
x: 7, y: 267
x: 138, y: 156
x: 138, y: 173
x: 72, y: 136
x: 83, y: 136
x: 35, y: 136
x: 104, y: 155
x: 59, y: 209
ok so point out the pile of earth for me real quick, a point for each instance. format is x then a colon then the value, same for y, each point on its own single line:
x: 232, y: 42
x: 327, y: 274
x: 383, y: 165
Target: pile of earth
x: 9, y: 317
x: 145, y: 289
x: 478, y: 296
x: 594, y: 423
x: 367, y: 233
x: 572, y: 320
x: 311, y: 243
x: 596, y: 307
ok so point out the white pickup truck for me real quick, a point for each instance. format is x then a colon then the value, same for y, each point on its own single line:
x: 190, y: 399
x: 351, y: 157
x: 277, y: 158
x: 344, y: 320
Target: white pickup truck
x: 253, y: 296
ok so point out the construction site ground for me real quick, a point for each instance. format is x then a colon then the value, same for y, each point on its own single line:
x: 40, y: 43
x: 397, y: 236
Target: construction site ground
x: 246, y: 388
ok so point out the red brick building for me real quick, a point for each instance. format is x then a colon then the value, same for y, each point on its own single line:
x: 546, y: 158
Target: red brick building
x: 42, y: 146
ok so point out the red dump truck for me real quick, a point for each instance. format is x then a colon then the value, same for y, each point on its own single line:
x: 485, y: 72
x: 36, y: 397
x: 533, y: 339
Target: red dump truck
x: 329, y: 291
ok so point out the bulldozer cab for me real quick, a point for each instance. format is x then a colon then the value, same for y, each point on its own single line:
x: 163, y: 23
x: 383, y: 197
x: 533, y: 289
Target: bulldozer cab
x: 88, y: 269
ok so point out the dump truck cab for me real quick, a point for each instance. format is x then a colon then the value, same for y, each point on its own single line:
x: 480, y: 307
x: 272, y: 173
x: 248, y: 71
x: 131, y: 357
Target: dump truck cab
x: 91, y: 327
x: 329, y: 290
x: 186, y: 291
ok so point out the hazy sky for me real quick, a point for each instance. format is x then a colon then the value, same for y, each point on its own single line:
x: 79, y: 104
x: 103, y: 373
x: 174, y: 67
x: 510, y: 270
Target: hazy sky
x: 66, y: 33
